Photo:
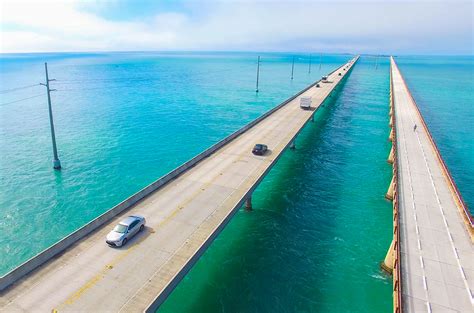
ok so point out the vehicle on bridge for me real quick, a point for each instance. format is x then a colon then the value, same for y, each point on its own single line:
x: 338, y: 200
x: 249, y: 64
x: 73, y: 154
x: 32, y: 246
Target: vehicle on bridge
x: 126, y: 229
x: 259, y: 149
x: 305, y: 102
x: 324, y: 79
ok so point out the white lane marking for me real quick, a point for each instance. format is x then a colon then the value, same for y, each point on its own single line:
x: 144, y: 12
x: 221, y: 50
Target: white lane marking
x: 450, y: 236
x: 425, y: 287
x: 453, y: 248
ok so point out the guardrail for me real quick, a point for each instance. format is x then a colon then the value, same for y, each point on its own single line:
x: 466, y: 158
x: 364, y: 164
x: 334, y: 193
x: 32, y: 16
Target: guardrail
x: 39, y: 259
x: 458, y: 197
x: 397, y: 276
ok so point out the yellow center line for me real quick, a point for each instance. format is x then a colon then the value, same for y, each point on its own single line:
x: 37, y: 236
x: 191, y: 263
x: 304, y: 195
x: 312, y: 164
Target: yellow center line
x: 102, y: 273
x: 96, y: 278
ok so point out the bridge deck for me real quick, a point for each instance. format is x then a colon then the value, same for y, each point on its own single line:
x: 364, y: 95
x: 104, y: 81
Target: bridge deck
x: 437, y: 254
x: 182, y: 219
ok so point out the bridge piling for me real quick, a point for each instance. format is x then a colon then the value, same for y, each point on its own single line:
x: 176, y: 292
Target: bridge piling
x: 391, y: 156
x: 388, y: 263
x: 248, y: 204
x: 293, y: 145
x: 389, y: 194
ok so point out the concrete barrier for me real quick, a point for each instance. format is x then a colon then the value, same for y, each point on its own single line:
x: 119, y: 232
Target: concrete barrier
x: 33, y: 263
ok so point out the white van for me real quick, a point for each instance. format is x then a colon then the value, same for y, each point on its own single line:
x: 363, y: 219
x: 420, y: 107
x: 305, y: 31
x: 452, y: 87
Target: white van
x: 305, y: 102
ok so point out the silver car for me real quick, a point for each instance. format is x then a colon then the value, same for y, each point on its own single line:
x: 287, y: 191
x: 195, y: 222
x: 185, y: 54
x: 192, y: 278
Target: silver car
x: 125, y: 230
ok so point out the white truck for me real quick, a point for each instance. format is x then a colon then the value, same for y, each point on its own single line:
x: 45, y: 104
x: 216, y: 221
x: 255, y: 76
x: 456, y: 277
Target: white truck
x: 305, y: 103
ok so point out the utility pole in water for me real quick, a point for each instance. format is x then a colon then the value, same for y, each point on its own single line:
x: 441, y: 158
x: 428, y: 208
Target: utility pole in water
x: 309, y: 68
x: 258, y: 72
x: 56, y: 162
x: 292, y: 68
x: 376, y: 61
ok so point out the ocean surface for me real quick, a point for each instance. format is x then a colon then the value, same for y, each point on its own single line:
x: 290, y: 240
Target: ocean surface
x: 320, y: 225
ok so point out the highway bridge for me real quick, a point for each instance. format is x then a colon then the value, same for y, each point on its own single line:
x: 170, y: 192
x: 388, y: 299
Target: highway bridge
x: 432, y: 253
x: 185, y: 210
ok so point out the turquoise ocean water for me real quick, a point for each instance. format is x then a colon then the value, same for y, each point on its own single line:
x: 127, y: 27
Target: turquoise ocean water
x: 320, y: 224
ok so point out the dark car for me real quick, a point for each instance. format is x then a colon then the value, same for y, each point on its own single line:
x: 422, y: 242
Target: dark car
x: 259, y: 149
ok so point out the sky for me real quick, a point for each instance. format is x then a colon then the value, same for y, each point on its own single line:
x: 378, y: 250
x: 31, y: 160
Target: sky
x: 337, y: 26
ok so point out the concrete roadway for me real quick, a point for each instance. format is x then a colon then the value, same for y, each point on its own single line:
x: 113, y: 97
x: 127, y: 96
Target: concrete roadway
x: 437, y: 254
x: 181, y: 219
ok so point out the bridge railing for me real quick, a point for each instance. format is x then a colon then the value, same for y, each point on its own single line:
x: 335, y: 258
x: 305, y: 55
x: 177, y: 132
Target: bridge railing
x: 454, y: 189
x: 397, y: 285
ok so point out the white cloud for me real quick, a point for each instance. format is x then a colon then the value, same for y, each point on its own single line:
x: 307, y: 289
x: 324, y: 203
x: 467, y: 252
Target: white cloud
x: 337, y: 26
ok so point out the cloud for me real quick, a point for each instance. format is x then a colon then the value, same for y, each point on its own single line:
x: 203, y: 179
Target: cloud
x: 335, y: 26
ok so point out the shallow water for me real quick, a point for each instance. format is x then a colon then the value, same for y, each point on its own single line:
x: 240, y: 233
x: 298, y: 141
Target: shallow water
x: 320, y: 225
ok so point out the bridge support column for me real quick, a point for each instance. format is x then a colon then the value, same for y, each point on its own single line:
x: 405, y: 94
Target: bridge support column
x: 391, y: 121
x: 388, y: 262
x: 248, y: 204
x: 389, y: 194
x: 391, y: 156
x: 293, y: 143
x: 312, y: 117
x: 391, y: 135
